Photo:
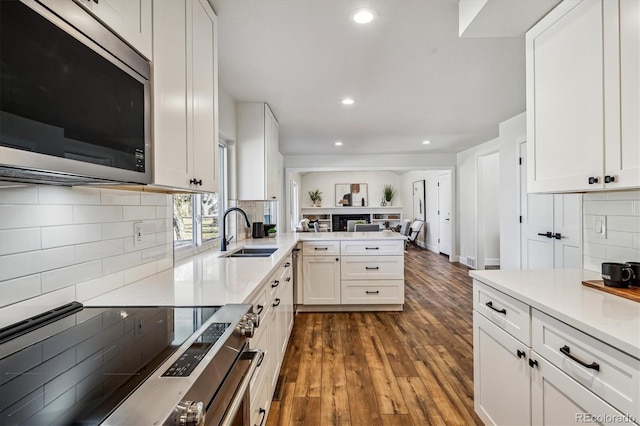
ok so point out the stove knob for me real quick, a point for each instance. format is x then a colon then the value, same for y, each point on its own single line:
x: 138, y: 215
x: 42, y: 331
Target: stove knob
x: 254, y: 318
x: 246, y: 328
x: 190, y: 413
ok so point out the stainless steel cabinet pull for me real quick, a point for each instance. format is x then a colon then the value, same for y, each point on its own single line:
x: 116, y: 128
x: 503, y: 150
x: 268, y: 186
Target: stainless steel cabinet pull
x: 373, y: 292
x: 500, y: 311
x: 372, y: 267
x: 567, y: 351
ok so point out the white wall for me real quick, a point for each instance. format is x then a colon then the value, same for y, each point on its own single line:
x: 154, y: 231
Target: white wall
x: 489, y: 210
x: 622, y: 212
x: 326, y: 181
x: 466, y: 229
x: 431, y: 203
x: 60, y: 244
x: 512, y: 133
x: 226, y: 114
x: 362, y: 162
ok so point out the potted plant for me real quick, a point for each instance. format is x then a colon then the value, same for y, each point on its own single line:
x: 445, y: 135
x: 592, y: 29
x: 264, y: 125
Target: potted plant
x: 271, y: 233
x: 316, y: 197
x: 388, y: 193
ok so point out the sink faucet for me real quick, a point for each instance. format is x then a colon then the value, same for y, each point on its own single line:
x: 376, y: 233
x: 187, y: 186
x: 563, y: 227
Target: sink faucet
x: 223, y: 244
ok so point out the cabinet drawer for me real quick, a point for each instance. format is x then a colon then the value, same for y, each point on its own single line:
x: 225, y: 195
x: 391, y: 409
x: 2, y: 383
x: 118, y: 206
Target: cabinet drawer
x: 503, y: 310
x: 320, y: 248
x: 607, y: 372
x: 372, y: 247
x: 372, y: 268
x: 261, y: 307
x: 372, y: 293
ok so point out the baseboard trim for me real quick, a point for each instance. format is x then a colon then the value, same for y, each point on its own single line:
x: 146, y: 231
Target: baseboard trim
x: 492, y: 262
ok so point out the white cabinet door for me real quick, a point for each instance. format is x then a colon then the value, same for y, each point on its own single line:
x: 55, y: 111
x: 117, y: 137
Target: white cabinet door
x: 501, y: 375
x: 565, y: 107
x: 622, y: 71
x: 130, y: 19
x: 204, y: 100
x: 185, y: 98
x: 321, y: 280
x: 557, y: 399
x: 259, y: 159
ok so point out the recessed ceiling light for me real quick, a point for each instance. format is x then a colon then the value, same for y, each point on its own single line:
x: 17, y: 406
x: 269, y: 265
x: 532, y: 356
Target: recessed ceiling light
x: 426, y: 142
x: 347, y: 101
x: 338, y: 143
x: 364, y: 16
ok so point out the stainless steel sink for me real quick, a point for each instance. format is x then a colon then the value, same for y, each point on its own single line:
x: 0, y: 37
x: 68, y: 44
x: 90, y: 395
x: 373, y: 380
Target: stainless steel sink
x: 251, y: 252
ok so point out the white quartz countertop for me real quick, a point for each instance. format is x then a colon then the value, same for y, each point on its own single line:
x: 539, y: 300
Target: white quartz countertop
x: 206, y: 279
x: 560, y: 293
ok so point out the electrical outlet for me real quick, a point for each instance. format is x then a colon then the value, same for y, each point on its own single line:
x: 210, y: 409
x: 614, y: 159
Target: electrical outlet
x: 137, y: 233
x: 600, y: 227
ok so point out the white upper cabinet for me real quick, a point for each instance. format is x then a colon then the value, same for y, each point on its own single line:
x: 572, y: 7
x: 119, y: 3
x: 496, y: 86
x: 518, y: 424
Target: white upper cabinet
x: 185, y: 95
x: 259, y: 159
x: 130, y: 19
x: 582, y: 135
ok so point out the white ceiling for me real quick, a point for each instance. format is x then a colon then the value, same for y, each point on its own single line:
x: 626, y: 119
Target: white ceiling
x: 410, y: 74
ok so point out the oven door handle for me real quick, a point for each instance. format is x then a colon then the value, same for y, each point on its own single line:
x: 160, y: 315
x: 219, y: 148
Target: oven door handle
x: 238, y: 398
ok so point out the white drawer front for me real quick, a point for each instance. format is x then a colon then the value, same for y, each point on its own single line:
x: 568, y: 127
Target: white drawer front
x: 372, y: 293
x: 372, y: 247
x: 372, y: 268
x: 503, y: 310
x: 320, y: 248
x: 607, y: 372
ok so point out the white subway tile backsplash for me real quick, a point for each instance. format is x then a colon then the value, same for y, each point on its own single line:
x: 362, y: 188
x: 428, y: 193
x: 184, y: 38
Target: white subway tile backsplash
x: 27, y: 194
x: 66, y: 195
x: 164, y: 264
x: 94, y: 288
x: 20, y: 289
x: 98, y: 250
x: 157, y: 200
x: 164, y: 212
x: 156, y: 225
x: 121, y: 262
x: 623, y: 195
x: 157, y: 253
x: 139, y: 272
x: 56, y: 236
x: 97, y: 214
x: 604, y: 207
x: 117, y: 230
x: 622, y: 212
x: 139, y: 212
x: 19, y: 240
x: 119, y: 198
x: 29, y: 216
x: 148, y: 241
x: 64, y: 277
x: 19, y: 265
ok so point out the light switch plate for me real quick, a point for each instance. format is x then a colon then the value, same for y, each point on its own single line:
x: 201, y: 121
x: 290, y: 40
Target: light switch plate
x: 600, y: 227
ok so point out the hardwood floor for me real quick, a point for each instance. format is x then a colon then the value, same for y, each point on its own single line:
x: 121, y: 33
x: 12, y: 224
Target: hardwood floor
x: 386, y: 368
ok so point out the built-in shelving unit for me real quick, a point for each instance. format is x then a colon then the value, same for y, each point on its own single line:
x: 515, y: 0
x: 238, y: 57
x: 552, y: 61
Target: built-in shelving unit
x: 326, y: 215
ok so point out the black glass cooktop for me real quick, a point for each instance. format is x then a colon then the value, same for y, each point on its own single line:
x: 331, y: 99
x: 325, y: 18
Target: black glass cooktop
x: 79, y: 368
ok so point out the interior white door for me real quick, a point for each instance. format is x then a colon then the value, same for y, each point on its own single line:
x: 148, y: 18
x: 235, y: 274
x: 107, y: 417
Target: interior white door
x: 567, y: 225
x: 444, y: 213
x: 537, y: 218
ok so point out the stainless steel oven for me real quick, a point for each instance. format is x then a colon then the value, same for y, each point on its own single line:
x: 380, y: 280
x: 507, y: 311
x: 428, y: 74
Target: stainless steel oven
x: 129, y: 366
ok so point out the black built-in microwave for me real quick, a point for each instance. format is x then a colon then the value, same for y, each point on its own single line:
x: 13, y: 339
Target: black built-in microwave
x: 74, y: 98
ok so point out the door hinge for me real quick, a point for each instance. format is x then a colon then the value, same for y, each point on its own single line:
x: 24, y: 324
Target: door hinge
x: 438, y: 212
x: 520, y: 161
x: 438, y: 239
x: 520, y: 219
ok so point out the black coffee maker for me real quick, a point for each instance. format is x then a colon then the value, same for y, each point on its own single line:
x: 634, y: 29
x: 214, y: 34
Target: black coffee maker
x: 257, y: 230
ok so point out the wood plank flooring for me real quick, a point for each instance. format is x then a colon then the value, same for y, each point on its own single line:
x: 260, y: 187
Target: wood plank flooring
x: 386, y: 368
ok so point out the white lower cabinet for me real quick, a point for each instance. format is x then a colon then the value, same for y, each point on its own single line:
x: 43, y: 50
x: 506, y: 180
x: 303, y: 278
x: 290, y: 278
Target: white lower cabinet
x: 557, y: 399
x: 532, y: 369
x: 321, y: 280
x: 274, y: 302
x: 501, y: 375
